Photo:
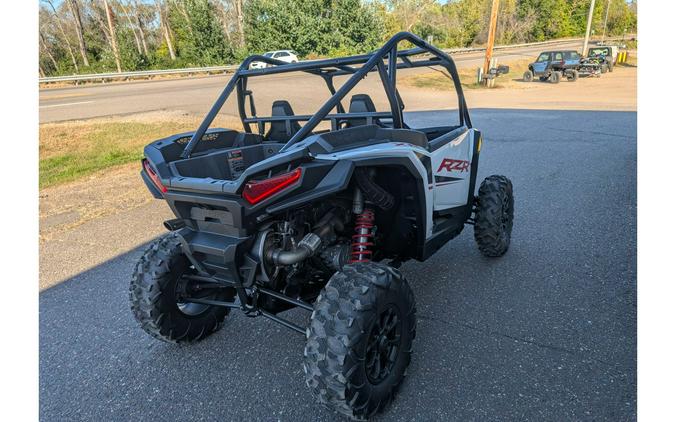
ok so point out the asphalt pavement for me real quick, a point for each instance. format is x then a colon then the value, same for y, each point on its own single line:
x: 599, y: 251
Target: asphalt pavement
x: 546, y: 332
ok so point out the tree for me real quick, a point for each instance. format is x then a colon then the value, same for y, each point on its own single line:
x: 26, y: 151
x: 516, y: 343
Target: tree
x: 141, y: 26
x: 75, y: 11
x: 199, y: 36
x: 57, y: 19
x: 44, y: 47
x: 166, y: 29
x: 113, y: 38
x: 132, y: 27
x: 409, y: 12
x: 141, y: 34
x: 239, y: 9
x: 312, y: 26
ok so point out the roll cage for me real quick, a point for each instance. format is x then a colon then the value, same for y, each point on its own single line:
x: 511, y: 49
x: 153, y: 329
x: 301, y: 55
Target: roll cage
x: 358, y: 66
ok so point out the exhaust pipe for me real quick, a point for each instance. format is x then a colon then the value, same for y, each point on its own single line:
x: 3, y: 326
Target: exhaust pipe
x: 175, y: 224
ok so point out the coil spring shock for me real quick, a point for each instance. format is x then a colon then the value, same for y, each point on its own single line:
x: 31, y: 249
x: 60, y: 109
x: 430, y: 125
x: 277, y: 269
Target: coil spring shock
x: 363, y: 239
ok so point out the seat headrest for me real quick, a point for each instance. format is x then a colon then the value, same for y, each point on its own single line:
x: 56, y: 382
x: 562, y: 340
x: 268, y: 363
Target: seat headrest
x: 282, y: 108
x: 278, y: 132
x: 361, y: 103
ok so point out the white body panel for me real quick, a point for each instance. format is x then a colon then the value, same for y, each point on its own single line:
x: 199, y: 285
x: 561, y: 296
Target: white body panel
x: 451, y: 166
x: 450, y: 169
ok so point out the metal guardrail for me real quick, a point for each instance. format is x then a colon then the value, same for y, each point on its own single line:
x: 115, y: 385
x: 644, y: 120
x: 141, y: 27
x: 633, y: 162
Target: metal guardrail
x: 232, y: 68
x: 138, y: 74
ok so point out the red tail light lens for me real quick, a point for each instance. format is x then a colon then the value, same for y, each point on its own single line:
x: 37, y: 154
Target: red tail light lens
x: 153, y: 176
x: 258, y: 190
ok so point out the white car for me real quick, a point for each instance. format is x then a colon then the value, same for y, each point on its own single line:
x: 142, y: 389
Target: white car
x: 288, y: 56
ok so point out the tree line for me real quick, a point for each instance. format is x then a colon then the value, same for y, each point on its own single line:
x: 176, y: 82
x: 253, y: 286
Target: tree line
x: 92, y: 36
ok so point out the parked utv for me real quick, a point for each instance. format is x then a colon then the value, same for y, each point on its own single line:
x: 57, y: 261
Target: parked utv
x: 604, y: 56
x: 285, y: 215
x: 552, y: 66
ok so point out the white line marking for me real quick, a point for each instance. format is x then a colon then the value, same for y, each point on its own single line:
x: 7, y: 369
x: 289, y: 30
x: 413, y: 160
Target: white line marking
x: 65, y: 104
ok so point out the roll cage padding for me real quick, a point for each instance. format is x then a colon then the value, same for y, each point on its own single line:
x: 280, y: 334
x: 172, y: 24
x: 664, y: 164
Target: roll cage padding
x: 329, y: 68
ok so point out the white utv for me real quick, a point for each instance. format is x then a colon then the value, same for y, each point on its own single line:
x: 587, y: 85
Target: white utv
x: 283, y: 215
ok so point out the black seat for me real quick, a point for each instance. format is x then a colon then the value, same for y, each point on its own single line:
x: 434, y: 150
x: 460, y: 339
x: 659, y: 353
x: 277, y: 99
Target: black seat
x: 279, y: 132
x: 361, y: 103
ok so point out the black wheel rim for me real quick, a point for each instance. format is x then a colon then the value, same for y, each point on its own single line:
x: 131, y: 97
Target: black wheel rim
x: 182, y: 292
x: 384, y: 343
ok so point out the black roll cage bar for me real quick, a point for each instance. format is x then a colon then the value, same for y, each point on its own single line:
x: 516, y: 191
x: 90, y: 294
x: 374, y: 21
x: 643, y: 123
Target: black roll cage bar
x: 328, y: 69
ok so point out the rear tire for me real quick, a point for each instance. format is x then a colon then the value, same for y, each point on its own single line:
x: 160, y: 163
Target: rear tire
x: 610, y: 67
x: 573, y: 75
x: 494, y: 216
x: 527, y: 76
x: 359, y: 341
x: 555, y: 77
x: 153, y: 292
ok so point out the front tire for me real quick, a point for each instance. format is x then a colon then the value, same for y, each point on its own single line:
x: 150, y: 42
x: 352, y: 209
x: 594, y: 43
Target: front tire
x: 155, y: 290
x: 359, y: 341
x: 494, y: 216
x: 527, y: 76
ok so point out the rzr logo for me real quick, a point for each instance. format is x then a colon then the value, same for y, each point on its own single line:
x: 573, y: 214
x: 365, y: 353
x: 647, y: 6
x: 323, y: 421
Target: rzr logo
x: 450, y: 164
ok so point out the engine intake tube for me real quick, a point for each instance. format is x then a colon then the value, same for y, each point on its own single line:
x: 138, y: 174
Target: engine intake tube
x: 306, y: 248
x: 310, y: 244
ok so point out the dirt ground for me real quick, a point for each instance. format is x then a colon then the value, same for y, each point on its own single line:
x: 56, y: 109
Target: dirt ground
x: 113, y: 193
x: 615, y: 91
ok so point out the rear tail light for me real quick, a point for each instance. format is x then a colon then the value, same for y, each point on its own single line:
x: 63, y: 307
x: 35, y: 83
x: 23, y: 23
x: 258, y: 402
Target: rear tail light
x: 258, y: 190
x: 153, y: 176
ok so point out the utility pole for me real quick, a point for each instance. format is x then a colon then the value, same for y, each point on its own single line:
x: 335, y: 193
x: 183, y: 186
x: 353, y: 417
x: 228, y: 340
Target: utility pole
x: 588, y: 27
x: 604, y: 26
x: 491, y: 36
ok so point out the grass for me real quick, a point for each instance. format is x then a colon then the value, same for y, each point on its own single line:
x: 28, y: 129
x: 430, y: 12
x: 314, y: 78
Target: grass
x: 438, y: 80
x: 71, y: 150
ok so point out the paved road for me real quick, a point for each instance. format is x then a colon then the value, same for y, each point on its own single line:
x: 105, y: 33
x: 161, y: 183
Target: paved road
x: 196, y: 95
x: 546, y: 333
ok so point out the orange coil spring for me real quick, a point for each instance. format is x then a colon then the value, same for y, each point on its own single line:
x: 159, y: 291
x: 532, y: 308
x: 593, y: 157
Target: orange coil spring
x: 363, y: 239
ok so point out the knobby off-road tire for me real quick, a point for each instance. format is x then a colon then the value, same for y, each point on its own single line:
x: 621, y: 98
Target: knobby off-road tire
x: 555, y: 77
x: 153, y: 296
x: 353, y: 363
x: 494, y: 216
x: 603, y: 68
x: 528, y: 76
x: 573, y: 75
